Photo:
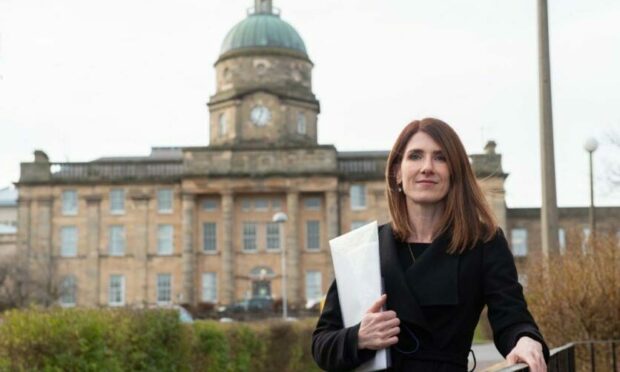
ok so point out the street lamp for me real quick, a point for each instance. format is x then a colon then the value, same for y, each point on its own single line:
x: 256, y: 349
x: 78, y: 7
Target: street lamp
x: 281, y: 218
x: 590, y: 146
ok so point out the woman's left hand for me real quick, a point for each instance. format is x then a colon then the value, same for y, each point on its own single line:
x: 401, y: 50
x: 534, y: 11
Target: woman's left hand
x: 528, y: 351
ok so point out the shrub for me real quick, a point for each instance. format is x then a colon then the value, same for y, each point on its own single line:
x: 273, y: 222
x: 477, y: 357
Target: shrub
x: 90, y: 340
x: 578, y: 297
x: 148, y: 340
x: 210, y: 347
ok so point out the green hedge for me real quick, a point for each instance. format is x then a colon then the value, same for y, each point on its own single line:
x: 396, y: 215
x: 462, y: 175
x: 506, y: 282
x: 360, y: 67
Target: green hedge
x: 148, y: 340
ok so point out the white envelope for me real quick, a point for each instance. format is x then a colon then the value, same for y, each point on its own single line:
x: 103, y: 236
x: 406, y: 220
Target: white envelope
x: 358, y: 273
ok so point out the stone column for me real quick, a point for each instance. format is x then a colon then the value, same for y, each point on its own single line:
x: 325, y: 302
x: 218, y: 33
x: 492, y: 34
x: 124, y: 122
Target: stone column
x: 292, y: 249
x: 24, y: 241
x: 24, y: 230
x: 91, y: 282
x: 188, y: 208
x: 42, y: 263
x: 141, y: 247
x: 228, y: 254
x: 333, y: 227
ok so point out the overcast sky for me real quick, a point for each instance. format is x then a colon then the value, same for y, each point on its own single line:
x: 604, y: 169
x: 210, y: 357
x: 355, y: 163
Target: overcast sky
x: 82, y: 79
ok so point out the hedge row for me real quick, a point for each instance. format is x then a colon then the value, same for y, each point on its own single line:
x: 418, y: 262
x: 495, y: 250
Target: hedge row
x: 148, y: 340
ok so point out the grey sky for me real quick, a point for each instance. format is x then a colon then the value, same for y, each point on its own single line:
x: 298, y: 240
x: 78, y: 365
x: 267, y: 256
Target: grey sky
x: 81, y: 79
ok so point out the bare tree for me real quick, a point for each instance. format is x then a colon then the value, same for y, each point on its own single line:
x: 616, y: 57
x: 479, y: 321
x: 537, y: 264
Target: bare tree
x: 26, y: 280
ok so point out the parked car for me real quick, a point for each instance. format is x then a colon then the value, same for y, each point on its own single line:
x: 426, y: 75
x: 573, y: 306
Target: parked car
x: 253, y: 305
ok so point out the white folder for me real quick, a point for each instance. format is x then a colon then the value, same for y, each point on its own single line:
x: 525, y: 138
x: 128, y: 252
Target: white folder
x: 358, y: 274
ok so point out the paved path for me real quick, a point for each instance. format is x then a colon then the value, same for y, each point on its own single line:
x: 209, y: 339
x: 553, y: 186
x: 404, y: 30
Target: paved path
x: 486, y: 356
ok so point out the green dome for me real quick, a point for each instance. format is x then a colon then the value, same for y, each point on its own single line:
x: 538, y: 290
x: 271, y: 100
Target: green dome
x: 263, y: 30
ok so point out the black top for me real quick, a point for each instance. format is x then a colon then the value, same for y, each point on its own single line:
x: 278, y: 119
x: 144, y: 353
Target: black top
x: 405, y: 250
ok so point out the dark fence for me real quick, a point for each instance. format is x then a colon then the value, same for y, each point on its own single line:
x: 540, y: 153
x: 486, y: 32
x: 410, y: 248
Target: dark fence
x: 594, y: 355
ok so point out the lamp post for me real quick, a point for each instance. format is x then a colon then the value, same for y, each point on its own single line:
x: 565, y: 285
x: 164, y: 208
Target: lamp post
x: 281, y: 218
x: 549, y: 210
x: 590, y: 146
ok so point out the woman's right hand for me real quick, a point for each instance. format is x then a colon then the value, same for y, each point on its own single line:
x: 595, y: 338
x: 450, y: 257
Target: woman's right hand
x: 378, y: 329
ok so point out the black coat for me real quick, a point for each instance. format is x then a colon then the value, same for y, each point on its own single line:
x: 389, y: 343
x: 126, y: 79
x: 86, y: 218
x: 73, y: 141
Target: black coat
x: 438, y: 300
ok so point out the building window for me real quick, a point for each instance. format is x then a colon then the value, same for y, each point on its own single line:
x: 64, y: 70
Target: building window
x: 249, y: 236
x: 209, y: 205
x: 276, y: 204
x: 164, y: 200
x: 585, y: 243
x: 69, y: 202
x: 261, y: 204
x: 164, y: 288
x: 209, y: 287
x: 562, y: 239
x: 313, y: 235
x: 312, y: 203
x: 165, y: 234
x: 68, y: 291
x: 519, y: 242
x: 273, y: 235
x: 117, y: 201
x: 222, y: 124
x: 68, y: 241
x: 301, y: 123
x: 116, y: 240
x: 313, y: 286
x: 116, y: 290
x: 358, y: 196
x: 358, y: 224
x: 245, y: 204
x: 209, y: 236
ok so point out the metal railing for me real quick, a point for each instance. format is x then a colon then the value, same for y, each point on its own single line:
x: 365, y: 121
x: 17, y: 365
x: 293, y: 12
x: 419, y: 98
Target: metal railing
x: 115, y: 170
x: 353, y: 167
x: 562, y: 359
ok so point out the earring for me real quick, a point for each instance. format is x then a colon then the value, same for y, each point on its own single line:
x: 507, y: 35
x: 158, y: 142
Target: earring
x: 400, y: 189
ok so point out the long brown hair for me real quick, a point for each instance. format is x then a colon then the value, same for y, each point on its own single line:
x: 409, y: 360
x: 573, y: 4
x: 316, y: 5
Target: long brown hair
x: 467, y: 217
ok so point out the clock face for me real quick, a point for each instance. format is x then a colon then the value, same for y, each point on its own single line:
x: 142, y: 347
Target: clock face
x: 260, y: 115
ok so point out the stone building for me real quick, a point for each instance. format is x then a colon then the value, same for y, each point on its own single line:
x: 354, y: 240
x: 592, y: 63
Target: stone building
x: 194, y: 224
x: 8, y: 223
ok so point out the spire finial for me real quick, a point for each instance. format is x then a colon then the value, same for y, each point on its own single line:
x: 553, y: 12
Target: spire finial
x: 263, y: 6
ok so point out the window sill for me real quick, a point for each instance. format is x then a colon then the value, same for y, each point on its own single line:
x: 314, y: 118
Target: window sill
x: 156, y: 255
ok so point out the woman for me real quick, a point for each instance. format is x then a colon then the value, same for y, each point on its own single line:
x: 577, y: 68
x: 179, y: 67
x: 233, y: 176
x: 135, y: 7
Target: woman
x: 442, y: 259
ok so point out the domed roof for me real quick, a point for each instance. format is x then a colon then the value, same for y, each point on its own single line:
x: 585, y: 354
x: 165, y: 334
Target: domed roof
x: 263, y: 29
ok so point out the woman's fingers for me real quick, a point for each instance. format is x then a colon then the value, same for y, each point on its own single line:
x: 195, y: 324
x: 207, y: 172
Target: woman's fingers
x: 378, y: 330
x: 376, y: 307
x: 391, y: 332
x: 534, y: 360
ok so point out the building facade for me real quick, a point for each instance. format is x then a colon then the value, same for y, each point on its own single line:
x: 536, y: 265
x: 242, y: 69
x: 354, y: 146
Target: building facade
x: 194, y: 224
x: 8, y: 223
